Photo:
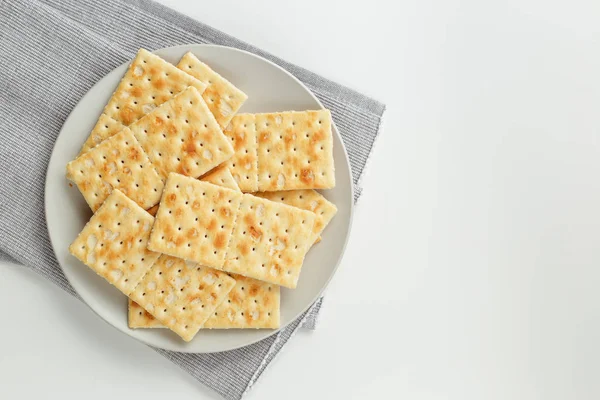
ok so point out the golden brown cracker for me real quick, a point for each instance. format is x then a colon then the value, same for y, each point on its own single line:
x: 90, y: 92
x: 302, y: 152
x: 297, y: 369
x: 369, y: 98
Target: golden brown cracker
x: 221, y: 96
x: 295, y: 150
x: 269, y: 241
x: 119, y: 162
x: 182, y: 136
x: 194, y: 220
x: 113, y: 242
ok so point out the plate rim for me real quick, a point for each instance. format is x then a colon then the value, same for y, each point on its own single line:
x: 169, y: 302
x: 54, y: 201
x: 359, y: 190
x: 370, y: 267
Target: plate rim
x: 270, y: 333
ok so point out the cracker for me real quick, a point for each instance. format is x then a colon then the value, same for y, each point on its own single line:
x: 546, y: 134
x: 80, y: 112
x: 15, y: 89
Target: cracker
x: 251, y: 304
x: 295, y: 150
x: 306, y: 199
x: 269, y: 241
x: 244, y: 163
x: 222, y: 97
x: 182, y: 295
x: 148, y: 82
x: 105, y: 128
x: 194, y: 220
x: 118, y: 162
x: 113, y: 242
x: 221, y: 176
x: 137, y: 317
x: 182, y: 136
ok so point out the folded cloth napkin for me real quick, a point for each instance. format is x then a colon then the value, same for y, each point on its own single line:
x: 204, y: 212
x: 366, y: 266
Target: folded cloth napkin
x: 51, y: 53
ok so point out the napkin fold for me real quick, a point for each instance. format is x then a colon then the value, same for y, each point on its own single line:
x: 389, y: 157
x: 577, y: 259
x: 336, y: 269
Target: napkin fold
x: 51, y: 53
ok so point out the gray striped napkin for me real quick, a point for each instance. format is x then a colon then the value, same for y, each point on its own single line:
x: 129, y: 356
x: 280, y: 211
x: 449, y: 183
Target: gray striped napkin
x: 51, y: 53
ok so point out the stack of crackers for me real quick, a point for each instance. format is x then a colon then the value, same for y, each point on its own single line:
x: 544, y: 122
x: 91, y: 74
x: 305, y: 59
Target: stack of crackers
x: 200, y: 214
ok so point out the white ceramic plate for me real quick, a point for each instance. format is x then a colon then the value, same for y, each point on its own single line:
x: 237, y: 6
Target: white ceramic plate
x: 269, y: 88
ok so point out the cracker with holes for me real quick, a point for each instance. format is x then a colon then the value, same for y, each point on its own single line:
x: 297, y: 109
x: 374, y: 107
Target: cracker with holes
x: 114, y: 242
x: 194, y: 220
x: 182, y: 295
x: 148, y: 83
x: 105, y: 128
x: 182, y: 136
x: 251, y: 304
x: 222, y: 97
x: 269, y: 241
x: 307, y: 199
x: 295, y: 150
x: 221, y: 176
x: 241, y: 131
x: 119, y: 162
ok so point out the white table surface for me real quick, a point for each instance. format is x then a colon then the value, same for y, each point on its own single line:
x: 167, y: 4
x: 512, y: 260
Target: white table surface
x: 473, y: 267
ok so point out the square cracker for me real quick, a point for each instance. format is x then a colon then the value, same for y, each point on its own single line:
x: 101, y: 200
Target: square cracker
x: 251, y: 304
x: 306, y: 199
x: 182, y: 295
x: 244, y: 163
x: 194, y: 220
x: 269, y: 241
x: 105, y: 128
x: 222, y: 97
x: 182, y: 136
x: 118, y: 162
x: 114, y: 242
x: 295, y: 150
x: 221, y: 176
x: 148, y: 82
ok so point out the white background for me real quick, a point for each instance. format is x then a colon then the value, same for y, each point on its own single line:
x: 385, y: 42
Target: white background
x: 473, y: 267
